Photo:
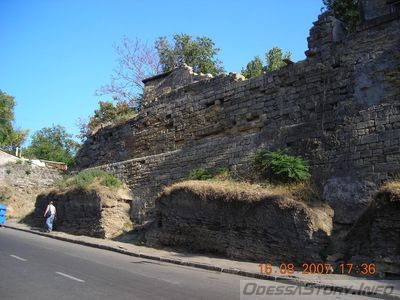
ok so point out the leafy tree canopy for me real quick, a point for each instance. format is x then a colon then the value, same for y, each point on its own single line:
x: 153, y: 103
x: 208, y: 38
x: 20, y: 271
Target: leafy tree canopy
x: 254, y: 68
x: 7, y: 104
x: 10, y: 137
x: 274, y: 58
x: 106, y: 114
x: 274, y: 61
x: 199, y: 53
x: 52, y: 143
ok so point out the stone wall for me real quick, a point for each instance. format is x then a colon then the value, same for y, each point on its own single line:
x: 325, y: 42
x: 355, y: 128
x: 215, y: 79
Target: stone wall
x: 372, y: 9
x: 265, y: 228
x: 339, y: 109
x: 7, y: 158
x: 164, y: 83
x: 25, y: 175
x: 21, y: 182
x: 375, y: 236
x: 92, y: 212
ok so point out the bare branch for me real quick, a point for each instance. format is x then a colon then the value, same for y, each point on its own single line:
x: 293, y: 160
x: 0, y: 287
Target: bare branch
x: 136, y: 61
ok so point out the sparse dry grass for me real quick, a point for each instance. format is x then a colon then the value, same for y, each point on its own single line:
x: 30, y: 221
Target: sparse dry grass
x: 231, y: 190
x: 20, y: 201
x: 393, y: 188
x: 391, y: 185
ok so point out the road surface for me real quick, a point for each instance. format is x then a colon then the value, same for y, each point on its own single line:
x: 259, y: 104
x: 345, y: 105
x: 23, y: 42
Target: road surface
x: 36, y: 267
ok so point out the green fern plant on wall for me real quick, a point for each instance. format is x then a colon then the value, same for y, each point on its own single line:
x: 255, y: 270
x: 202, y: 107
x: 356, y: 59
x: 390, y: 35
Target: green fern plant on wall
x: 277, y: 165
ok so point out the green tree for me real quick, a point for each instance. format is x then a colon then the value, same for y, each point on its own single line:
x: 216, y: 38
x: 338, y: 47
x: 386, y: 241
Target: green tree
x: 274, y: 58
x: 17, y: 138
x: 106, y: 114
x: 346, y: 11
x: 9, y: 136
x: 199, y: 53
x: 52, y: 143
x: 254, y: 68
x: 7, y: 104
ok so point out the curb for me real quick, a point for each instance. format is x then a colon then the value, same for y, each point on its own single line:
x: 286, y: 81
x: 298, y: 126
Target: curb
x: 286, y: 280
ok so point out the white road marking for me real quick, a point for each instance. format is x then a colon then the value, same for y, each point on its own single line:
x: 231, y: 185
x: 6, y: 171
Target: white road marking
x: 70, y: 277
x: 19, y: 258
x: 170, y: 281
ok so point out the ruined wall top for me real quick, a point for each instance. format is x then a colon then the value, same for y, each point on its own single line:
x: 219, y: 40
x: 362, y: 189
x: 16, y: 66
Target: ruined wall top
x: 325, y: 33
x: 161, y: 84
x: 328, y: 30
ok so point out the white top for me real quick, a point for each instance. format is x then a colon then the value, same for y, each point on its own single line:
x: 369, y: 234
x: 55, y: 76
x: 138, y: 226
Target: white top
x: 52, y: 209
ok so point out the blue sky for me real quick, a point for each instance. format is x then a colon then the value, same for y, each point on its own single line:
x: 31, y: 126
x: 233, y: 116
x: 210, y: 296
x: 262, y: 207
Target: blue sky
x: 54, y: 54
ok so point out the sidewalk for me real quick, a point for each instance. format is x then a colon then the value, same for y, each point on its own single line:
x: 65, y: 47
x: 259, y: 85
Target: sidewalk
x: 248, y: 269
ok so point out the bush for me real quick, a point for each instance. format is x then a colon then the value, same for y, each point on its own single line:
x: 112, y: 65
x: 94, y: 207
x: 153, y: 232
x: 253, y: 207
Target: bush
x: 277, y: 165
x: 28, y: 172
x: 3, y: 197
x: 111, y: 181
x: 128, y: 226
x: 205, y: 174
x: 87, y: 177
x: 200, y: 174
x: 8, y: 171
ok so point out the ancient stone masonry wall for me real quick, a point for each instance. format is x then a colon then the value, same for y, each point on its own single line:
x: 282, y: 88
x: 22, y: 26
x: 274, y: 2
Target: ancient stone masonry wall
x: 375, y: 236
x: 20, y: 182
x: 25, y: 175
x: 339, y: 109
x: 85, y: 212
x: 274, y: 228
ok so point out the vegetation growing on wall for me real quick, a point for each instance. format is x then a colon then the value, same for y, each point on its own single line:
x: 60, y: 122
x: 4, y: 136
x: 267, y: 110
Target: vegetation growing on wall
x: 346, y: 11
x: 279, y: 166
x: 86, y: 178
x: 205, y: 174
x: 106, y: 114
x: 287, y: 177
x: 245, y: 191
x: 4, y: 197
x: 393, y: 187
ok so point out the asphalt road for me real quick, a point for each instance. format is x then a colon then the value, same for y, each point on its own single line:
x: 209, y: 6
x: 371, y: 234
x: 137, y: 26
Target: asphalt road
x: 36, y: 267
